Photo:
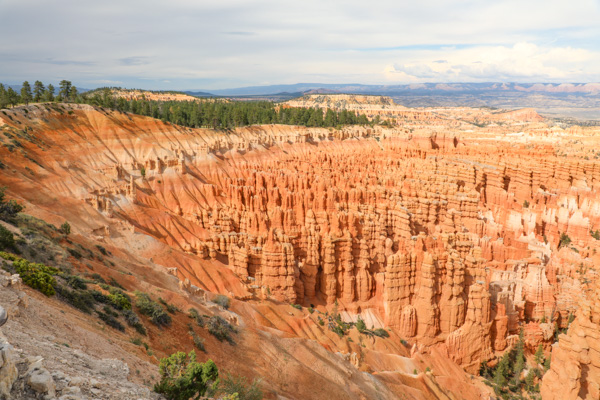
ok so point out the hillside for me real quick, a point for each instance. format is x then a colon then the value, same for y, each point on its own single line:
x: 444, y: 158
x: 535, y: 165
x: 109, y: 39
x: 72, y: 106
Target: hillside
x: 444, y: 235
x: 135, y: 94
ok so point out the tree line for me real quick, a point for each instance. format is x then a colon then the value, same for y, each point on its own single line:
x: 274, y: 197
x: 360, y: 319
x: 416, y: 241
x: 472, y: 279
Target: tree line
x: 39, y: 93
x: 224, y: 114
x: 201, y: 113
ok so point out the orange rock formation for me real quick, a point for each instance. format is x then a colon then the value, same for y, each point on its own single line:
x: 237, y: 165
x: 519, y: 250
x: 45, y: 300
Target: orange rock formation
x: 447, y: 236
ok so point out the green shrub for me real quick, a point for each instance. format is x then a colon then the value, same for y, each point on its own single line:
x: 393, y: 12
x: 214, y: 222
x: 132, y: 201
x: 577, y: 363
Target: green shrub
x: 99, y: 297
x: 102, y: 250
x: 7, y: 239
x: 525, y: 204
x: 119, y: 300
x: 81, y: 299
x: 360, y: 325
x: 65, y: 228
x: 111, y: 321
x: 194, y: 313
x: 74, y: 253
x: 222, y: 300
x: 182, y: 377
x: 297, y: 306
x: 152, y: 309
x: 97, y: 278
x: 337, y: 325
x: 8, y: 209
x: 197, y: 317
x: 76, y: 282
x: 37, y: 276
x: 198, y: 341
x: 134, y: 321
x: 337, y: 329
x: 221, y: 329
x: 170, y: 307
x: 110, y: 311
x: 381, y: 333
x: 8, y: 256
x: 232, y: 385
x: 565, y: 240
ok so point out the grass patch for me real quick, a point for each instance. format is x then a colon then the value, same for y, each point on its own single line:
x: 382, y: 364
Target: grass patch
x: 152, y: 309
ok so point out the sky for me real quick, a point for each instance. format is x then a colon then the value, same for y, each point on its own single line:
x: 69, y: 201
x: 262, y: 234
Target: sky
x: 218, y: 44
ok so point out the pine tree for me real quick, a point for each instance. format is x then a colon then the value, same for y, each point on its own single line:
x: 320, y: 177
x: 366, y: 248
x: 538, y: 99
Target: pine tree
x: 547, y: 363
x: 529, y: 380
x: 49, y: 93
x: 539, y: 354
x: 65, y: 228
x: 38, y: 91
x: 73, y: 93
x: 519, y: 357
x: 3, y: 96
x: 502, y: 370
x: 65, y: 89
x: 360, y: 325
x: 13, y: 97
x: 26, y: 96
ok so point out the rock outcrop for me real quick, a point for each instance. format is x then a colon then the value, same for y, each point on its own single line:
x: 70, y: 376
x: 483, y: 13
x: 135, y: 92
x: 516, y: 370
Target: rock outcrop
x: 575, y: 367
x: 8, y: 368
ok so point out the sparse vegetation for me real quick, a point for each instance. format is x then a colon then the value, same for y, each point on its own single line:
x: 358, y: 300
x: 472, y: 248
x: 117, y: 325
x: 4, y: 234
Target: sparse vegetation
x: 134, y: 321
x: 221, y: 329
x: 222, y: 300
x: 170, y: 307
x: 7, y: 239
x: 152, y: 309
x: 238, y: 386
x: 198, y: 341
x: 564, y: 240
x: 8, y: 209
x: 196, y: 317
x: 81, y: 299
x: 110, y: 320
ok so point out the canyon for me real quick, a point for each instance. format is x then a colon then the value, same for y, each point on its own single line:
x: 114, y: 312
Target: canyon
x: 446, y: 229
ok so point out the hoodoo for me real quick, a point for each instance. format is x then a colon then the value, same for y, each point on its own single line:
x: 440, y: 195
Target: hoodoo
x: 447, y: 247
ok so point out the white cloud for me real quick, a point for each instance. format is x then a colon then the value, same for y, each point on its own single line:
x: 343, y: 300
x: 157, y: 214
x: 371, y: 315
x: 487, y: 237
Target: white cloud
x: 524, y: 62
x: 215, y: 44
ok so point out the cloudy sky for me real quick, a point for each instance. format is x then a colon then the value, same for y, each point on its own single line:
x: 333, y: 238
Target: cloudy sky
x: 216, y: 44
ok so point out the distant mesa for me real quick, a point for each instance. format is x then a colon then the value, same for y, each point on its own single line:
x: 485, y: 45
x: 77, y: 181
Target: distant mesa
x: 341, y: 101
x: 320, y: 91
